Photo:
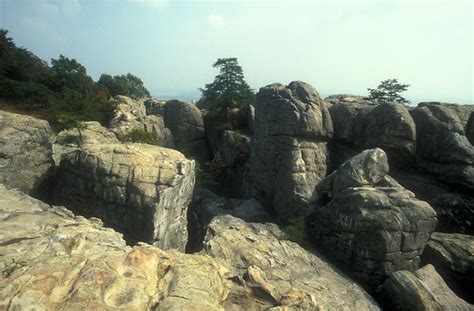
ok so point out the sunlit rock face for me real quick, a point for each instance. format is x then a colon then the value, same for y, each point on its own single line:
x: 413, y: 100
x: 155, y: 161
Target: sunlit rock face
x: 288, y: 149
x: 141, y: 189
x: 25, y: 151
x: 368, y: 222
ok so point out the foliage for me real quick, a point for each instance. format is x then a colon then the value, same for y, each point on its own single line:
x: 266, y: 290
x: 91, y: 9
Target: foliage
x: 70, y: 74
x: 216, y: 166
x: 204, y: 178
x: 296, y: 229
x: 229, y: 89
x: 388, y: 91
x: 12, y: 267
x: 140, y: 136
x: 128, y: 85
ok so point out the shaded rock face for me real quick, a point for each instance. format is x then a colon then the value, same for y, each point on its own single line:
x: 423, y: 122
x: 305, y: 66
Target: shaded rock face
x: 443, y: 149
x: 141, y: 189
x: 186, y: 124
x: 423, y: 289
x: 368, y: 222
x: 453, y: 256
x: 206, y: 205
x: 288, y: 149
x: 25, y: 151
x: 130, y: 115
x: 53, y: 260
x: 279, y: 272
x: 360, y: 124
x: 470, y: 129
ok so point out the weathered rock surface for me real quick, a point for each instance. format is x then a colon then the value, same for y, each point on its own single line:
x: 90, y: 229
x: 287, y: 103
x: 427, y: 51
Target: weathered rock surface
x: 443, y: 149
x: 423, y: 289
x: 232, y: 147
x: 53, y: 260
x: 206, y: 205
x: 141, y: 189
x: 130, y: 115
x: 288, y: 149
x: 280, y: 272
x: 368, y: 222
x: 186, y: 124
x: 453, y: 256
x: 25, y: 151
x: 360, y: 124
x: 470, y: 129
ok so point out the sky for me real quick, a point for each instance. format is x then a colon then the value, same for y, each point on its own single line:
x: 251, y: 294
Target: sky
x: 338, y: 46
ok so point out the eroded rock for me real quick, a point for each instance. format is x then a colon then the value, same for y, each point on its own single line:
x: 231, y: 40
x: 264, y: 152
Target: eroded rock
x: 281, y: 272
x: 368, y: 222
x: 25, y: 151
x: 141, y: 189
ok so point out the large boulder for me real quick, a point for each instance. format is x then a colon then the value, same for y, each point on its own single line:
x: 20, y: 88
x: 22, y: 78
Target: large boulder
x: 453, y: 256
x: 281, y: 272
x: 443, y: 149
x: 186, y: 123
x: 25, y: 151
x: 131, y: 115
x: 53, y: 260
x: 421, y: 290
x: 368, y: 222
x: 141, y: 189
x: 288, y: 149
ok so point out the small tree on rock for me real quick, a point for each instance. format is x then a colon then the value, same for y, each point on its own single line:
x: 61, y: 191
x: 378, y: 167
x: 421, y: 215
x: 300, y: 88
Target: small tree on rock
x: 229, y: 89
x: 388, y: 91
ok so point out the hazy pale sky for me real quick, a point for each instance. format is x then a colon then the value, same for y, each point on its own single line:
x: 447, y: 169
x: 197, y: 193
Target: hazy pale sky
x: 337, y: 46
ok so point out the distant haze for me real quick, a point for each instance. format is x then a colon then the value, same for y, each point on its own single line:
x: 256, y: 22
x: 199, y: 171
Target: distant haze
x: 337, y: 46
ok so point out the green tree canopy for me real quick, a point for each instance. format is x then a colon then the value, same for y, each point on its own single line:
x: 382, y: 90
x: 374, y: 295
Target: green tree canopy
x: 229, y: 88
x: 70, y: 74
x: 128, y: 85
x: 388, y: 91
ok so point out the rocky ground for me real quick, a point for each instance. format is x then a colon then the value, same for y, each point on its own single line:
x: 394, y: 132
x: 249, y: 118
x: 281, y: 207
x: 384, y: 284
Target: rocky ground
x: 379, y: 198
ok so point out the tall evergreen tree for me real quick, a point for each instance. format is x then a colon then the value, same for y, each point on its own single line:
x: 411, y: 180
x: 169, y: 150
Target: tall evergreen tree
x: 229, y: 89
x: 388, y: 91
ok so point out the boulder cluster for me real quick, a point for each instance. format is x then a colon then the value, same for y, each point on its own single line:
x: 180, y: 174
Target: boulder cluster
x: 380, y: 194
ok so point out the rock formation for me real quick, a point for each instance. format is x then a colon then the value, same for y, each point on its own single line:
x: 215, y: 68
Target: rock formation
x: 453, y: 256
x: 142, y: 189
x: 186, y: 123
x: 130, y: 115
x: 281, y: 272
x: 25, y: 151
x: 368, y: 222
x: 423, y: 289
x: 288, y: 149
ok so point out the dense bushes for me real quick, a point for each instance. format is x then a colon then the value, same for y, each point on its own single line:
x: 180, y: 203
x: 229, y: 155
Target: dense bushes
x: 63, y: 94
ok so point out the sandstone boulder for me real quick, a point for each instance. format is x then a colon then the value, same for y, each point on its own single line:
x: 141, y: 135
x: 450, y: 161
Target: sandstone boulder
x: 280, y: 272
x: 130, y: 115
x: 423, y: 289
x: 53, y: 260
x: 206, y: 205
x: 25, y: 151
x: 368, y: 222
x: 141, y: 189
x: 186, y: 123
x: 288, y: 149
x: 443, y: 149
x: 453, y: 256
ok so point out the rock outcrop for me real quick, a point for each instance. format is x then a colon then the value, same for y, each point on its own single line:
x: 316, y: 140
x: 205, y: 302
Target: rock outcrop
x: 280, y: 272
x: 453, y: 256
x: 288, y: 149
x: 368, y: 222
x: 25, y: 151
x: 141, y: 189
x: 206, y: 205
x: 423, y: 289
x: 186, y: 124
x: 130, y: 115
x: 443, y: 149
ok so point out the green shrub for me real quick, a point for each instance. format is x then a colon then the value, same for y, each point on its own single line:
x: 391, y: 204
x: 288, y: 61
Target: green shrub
x: 140, y: 136
x: 296, y: 229
x: 204, y: 179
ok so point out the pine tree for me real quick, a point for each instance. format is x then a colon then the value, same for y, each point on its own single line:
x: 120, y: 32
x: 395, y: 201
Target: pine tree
x: 229, y: 89
x: 388, y: 91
